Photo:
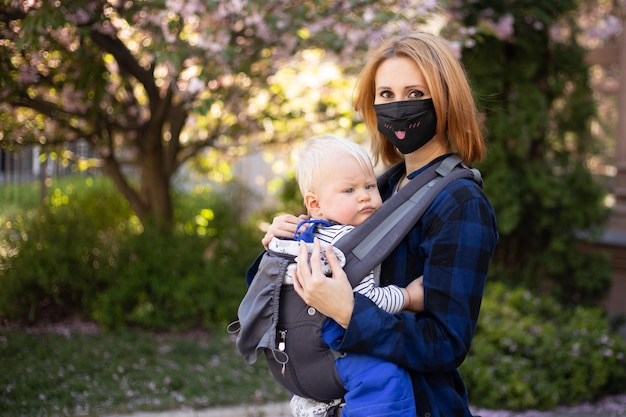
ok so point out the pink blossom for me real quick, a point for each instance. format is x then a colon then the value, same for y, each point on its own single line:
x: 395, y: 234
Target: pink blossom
x: 429, y: 5
x: 607, y: 28
x: 73, y: 100
x: 369, y: 15
x: 81, y: 17
x: 27, y: 75
x: 503, y: 28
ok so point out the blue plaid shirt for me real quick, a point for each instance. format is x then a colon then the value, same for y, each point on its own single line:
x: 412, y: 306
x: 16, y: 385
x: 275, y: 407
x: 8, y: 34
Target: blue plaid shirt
x: 451, y: 246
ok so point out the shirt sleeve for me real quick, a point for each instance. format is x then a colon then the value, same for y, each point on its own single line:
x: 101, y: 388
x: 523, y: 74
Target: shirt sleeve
x: 389, y: 298
x: 457, y: 237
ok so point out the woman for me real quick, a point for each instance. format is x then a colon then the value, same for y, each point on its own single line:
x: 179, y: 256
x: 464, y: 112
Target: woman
x: 416, y: 101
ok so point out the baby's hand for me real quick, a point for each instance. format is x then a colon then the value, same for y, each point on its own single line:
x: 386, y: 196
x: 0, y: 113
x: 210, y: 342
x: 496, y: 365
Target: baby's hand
x: 414, y: 295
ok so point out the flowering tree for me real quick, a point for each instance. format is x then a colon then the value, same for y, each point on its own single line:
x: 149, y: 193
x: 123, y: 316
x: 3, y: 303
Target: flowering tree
x: 153, y: 83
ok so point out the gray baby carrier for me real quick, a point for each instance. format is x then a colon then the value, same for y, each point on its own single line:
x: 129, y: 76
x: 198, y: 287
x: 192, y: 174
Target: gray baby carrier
x: 273, y: 319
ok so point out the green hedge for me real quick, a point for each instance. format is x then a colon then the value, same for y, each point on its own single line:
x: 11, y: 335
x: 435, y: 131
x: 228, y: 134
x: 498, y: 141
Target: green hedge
x: 531, y: 352
x: 85, y: 253
x: 58, y: 250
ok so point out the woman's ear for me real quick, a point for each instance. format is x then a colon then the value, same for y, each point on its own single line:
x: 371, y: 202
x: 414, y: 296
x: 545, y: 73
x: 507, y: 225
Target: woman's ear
x: 312, y: 203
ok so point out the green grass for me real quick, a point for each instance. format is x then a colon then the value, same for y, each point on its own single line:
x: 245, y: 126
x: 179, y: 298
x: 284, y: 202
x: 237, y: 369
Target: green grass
x: 14, y: 198
x: 122, y: 372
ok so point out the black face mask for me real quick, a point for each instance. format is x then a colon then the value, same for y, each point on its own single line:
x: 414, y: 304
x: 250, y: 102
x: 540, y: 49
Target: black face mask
x: 409, y: 124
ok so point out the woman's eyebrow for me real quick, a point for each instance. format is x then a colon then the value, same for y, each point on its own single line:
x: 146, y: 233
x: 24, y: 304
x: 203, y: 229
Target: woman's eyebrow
x: 406, y: 87
x: 418, y: 86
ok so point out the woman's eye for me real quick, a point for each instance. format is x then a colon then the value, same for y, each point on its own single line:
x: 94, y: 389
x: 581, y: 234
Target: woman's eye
x: 386, y: 94
x: 416, y: 94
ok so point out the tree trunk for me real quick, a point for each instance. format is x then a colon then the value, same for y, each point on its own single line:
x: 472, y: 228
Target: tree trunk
x: 151, y: 200
x: 155, y: 189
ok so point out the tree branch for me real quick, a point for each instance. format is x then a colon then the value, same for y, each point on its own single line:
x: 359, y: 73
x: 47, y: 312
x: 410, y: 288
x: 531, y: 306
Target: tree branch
x: 8, y: 14
x: 127, y: 62
x: 113, y: 170
x: 178, y: 118
x: 49, y: 109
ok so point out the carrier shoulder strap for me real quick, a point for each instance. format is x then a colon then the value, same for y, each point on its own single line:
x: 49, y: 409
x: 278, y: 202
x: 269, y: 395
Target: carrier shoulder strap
x: 371, y: 242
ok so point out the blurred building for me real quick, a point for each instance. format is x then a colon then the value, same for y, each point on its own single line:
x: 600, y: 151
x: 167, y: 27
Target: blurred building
x: 613, y: 56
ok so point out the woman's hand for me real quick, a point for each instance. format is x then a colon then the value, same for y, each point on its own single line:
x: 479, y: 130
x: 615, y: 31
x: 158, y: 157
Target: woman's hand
x: 332, y: 296
x: 282, y: 226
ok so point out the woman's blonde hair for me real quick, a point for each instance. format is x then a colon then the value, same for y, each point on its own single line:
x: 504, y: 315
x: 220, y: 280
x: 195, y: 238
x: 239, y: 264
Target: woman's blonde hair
x: 317, y: 149
x: 457, y: 121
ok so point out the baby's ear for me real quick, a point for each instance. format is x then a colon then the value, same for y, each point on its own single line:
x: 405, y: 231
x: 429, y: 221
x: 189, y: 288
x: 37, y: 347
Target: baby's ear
x: 312, y: 203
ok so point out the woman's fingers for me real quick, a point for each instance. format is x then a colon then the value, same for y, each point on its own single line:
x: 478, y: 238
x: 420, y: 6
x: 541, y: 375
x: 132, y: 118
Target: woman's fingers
x: 309, y: 271
x: 332, y: 296
x: 333, y: 261
x: 316, y: 259
x: 302, y: 270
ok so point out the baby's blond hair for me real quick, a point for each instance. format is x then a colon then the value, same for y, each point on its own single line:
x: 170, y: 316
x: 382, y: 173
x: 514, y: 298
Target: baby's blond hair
x: 317, y: 149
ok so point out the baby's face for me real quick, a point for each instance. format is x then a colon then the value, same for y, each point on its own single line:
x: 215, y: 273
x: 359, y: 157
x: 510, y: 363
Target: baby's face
x: 347, y: 191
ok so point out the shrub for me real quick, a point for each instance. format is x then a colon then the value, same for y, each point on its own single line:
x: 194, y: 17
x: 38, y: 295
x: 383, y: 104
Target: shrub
x: 59, y: 249
x: 531, y: 352
x: 187, y: 276
x: 84, y: 253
